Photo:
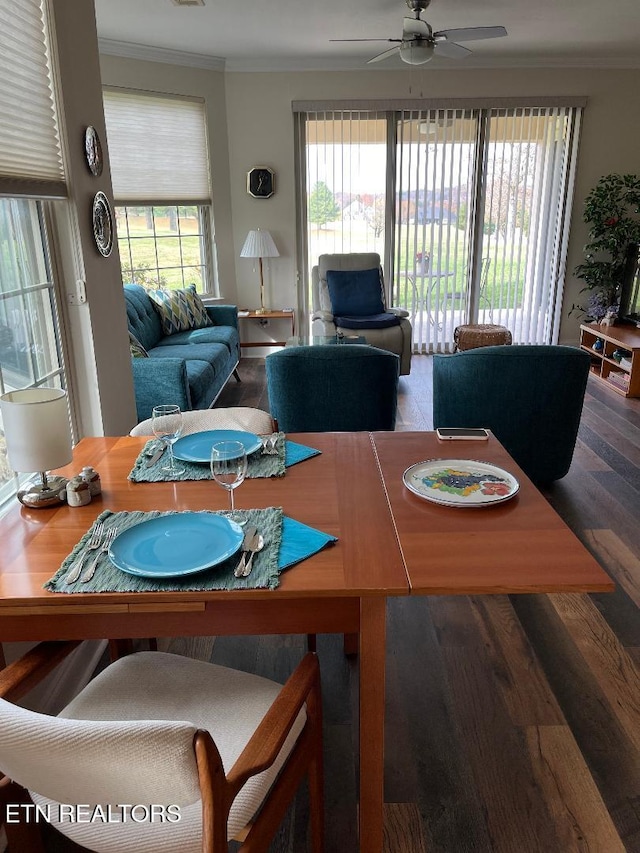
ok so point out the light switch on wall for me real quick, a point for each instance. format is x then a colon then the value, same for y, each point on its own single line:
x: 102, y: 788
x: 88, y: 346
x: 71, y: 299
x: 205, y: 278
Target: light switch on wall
x: 78, y: 296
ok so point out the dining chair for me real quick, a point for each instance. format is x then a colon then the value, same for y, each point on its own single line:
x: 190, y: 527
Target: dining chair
x: 224, y: 750
x: 236, y: 417
x: 530, y: 397
x: 333, y: 388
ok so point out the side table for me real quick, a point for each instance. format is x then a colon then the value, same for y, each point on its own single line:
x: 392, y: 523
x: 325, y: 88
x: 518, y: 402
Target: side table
x: 267, y: 315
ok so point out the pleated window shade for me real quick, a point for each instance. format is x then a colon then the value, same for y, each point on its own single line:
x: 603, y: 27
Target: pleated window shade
x: 157, y: 148
x: 30, y: 153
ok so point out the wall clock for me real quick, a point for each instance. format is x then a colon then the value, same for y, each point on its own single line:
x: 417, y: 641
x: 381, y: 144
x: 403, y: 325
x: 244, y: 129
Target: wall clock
x: 261, y: 182
x: 102, y: 224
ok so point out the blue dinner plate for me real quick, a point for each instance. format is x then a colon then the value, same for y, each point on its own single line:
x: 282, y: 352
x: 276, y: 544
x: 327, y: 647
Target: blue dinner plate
x: 197, y: 446
x: 173, y: 545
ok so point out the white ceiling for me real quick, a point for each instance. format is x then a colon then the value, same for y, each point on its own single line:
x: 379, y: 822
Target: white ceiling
x: 295, y: 34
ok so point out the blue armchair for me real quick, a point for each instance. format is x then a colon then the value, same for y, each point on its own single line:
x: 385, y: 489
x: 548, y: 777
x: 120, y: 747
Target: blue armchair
x: 529, y: 396
x: 333, y: 388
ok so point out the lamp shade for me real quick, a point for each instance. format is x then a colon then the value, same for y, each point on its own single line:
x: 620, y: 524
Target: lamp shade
x: 36, y: 429
x: 259, y: 244
x: 416, y: 51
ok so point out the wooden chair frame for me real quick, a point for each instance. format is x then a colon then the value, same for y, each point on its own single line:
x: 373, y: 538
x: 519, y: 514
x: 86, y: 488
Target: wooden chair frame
x: 217, y: 790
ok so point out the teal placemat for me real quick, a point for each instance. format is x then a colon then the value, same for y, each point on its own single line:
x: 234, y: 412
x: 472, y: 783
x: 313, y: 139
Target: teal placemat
x: 287, y: 542
x: 259, y: 464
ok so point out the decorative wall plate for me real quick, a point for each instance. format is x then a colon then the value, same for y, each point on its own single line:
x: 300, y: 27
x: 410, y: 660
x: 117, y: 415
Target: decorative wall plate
x: 93, y: 151
x: 102, y: 224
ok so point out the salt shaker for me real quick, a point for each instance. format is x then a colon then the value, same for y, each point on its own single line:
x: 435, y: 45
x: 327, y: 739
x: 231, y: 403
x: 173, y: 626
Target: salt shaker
x: 90, y: 476
x: 78, y: 492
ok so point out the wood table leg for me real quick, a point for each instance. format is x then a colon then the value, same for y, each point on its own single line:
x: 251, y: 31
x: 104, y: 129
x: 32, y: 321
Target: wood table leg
x: 372, y: 698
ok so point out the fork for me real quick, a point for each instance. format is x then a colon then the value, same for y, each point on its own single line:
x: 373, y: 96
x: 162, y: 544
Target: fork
x: 94, y: 542
x: 108, y: 539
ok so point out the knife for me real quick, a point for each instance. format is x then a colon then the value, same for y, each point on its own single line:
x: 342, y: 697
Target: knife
x: 157, y: 455
x: 249, y: 536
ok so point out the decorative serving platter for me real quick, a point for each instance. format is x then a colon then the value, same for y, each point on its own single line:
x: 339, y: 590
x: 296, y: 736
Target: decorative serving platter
x: 460, y: 482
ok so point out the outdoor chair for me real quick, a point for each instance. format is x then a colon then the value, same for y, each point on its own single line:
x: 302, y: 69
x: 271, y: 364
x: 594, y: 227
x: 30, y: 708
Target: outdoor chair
x: 460, y: 296
x: 530, y: 397
x: 348, y: 297
x: 333, y: 388
x: 225, y: 750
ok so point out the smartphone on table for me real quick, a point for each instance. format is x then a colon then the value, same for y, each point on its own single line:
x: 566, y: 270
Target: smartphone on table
x: 462, y: 434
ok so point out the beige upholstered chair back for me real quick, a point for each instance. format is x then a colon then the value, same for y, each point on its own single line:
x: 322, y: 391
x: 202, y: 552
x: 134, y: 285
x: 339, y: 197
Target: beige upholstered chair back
x: 99, y: 761
x: 236, y: 417
x: 352, y: 261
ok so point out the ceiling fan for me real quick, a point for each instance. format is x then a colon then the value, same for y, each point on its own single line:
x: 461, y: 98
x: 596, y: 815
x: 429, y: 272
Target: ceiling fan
x: 419, y: 43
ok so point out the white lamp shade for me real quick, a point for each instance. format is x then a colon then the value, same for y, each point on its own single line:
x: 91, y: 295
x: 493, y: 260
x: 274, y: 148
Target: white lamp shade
x: 259, y: 244
x: 416, y: 52
x: 36, y: 429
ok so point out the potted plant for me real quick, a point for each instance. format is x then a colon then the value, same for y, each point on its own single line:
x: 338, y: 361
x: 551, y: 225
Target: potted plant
x: 612, y: 211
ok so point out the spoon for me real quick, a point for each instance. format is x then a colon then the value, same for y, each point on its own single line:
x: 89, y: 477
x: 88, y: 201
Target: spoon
x: 249, y: 565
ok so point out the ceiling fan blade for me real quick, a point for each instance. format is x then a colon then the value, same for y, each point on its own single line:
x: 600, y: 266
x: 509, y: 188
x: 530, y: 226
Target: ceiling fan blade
x: 384, y: 55
x: 398, y: 40
x: 416, y: 27
x: 452, y: 50
x: 472, y: 33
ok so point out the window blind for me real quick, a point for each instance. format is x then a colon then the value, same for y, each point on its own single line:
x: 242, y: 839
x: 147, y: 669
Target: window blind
x: 30, y: 151
x: 157, y: 148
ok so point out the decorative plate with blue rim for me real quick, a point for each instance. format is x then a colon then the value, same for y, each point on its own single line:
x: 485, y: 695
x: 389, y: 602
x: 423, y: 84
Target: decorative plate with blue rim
x: 197, y: 446
x: 173, y: 545
x: 460, y: 482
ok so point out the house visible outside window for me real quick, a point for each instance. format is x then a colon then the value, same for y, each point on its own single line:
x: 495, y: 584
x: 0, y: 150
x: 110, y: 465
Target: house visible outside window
x: 160, y: 174
x: 31, y: 177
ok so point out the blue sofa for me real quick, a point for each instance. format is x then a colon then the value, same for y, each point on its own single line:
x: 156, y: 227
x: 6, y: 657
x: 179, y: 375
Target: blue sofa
x: 187, y: 368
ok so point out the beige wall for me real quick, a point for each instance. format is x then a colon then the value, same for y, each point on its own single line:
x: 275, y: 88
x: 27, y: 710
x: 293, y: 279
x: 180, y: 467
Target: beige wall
x: 250, y: 123
x: 96, y: 337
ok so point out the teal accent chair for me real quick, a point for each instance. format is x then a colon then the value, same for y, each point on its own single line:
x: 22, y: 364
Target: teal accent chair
x: 530, y: 397
x: 333, y: 388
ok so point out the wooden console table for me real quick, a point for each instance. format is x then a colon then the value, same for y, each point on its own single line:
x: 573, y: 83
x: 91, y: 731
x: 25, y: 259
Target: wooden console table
x: 623, y: 378
x: 268, y: 315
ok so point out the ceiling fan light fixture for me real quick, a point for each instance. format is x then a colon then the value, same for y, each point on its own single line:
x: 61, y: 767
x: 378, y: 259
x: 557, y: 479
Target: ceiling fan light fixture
x: 416, y: 51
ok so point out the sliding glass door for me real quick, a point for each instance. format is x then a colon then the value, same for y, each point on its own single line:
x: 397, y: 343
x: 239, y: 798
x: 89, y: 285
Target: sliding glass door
x: 467, y: 207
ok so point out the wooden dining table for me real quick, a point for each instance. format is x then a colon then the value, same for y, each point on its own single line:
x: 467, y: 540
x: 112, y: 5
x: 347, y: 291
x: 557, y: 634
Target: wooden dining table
x: 390, y: 543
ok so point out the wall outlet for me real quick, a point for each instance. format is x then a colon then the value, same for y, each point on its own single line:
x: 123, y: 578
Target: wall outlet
x: 78, y: 296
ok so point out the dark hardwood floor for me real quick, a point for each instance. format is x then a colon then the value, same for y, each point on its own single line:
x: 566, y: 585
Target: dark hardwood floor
x: 513, y: 722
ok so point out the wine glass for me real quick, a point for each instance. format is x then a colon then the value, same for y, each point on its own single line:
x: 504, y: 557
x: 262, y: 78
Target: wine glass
x: 166, y: 423
x: 229, y: 466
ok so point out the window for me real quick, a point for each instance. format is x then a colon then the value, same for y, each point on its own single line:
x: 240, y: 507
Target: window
x: 164, y: 246
x: 160, y: 171
x: 468, y: 206
x: 30, y: 352
x: 31, y: 172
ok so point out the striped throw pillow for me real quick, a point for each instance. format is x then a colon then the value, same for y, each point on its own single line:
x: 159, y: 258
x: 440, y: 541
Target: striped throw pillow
x: 180, y: 310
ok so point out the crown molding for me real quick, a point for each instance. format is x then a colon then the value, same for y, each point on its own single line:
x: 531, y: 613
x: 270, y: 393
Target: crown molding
x: 130, y: 50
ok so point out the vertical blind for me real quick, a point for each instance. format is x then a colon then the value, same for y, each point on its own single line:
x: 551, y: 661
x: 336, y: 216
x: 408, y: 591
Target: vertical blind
x: 30, y: 152
x: 468, y: 204
x: 157, y: 148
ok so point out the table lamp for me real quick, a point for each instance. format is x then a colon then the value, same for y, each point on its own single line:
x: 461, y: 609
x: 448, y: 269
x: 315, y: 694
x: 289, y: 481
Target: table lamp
x: 259, y: 244
x: 38, y: 436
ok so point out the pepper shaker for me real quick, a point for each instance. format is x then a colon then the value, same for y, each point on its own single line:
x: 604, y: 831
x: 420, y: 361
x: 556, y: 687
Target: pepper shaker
x: 78, y: 492
x: 92, y: 478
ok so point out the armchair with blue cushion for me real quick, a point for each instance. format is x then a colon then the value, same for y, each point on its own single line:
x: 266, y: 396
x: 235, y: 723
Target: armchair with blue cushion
x: 530, y: 397
x: 348, y: 297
